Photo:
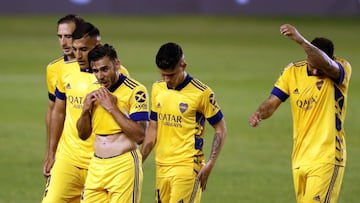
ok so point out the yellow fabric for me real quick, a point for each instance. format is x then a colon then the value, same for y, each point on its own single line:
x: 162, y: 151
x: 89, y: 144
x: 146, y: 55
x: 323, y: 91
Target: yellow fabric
x: 178, y: 184
x: 118, y: 179
x: 318, y: 109
x: 51, y: 74
x: 132, y: 100
x: 73, y: 84
x: 181, y: 116
x: 65, y: 183
x: 320, y: 183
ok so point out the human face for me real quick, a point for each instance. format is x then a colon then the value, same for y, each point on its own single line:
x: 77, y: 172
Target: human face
x: 106, y: 71
x: 174, y: 77
x: 81, y: 48
x: 64, y: 32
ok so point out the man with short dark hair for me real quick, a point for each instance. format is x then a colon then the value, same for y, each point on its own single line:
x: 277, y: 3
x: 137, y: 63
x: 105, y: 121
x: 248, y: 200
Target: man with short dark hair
x: 317, y: 88
x: 180, y: 107
x: 116, y: 111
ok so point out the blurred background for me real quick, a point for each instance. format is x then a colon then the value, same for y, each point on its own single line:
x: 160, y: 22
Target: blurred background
x: 207, y: 7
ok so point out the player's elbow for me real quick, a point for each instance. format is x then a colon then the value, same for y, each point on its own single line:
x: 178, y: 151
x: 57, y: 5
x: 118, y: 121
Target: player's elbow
x: 83, y: 136
x: 140, y: 139
x: 83, y: 133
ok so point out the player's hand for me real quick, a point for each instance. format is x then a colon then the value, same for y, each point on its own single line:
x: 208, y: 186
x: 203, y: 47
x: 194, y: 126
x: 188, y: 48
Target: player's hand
x: 48, y: 164
x: 255, y: 119
x: 204, y: 174
x: 292, y: 33
x: 106, y: 99
x: 89, y: 101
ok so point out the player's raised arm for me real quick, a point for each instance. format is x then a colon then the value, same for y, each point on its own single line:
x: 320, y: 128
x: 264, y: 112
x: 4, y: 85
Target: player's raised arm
x: 317, y: 58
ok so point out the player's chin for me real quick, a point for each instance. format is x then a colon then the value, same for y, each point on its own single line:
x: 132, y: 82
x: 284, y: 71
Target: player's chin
x: 105, y: 84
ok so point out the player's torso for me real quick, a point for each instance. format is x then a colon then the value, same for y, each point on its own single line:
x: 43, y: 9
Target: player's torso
x: 180, y: 122
x: 313, y: 104
x: 75, y: 84
x: 131, y: 100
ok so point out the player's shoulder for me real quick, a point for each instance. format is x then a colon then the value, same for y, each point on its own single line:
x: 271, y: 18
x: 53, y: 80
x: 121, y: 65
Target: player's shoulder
x: 296, y: 65
x: 124, y: 71
x: 159, y: 83
x: 71, y: 61
x: 342, y: 61
x: 56, y: 61
x: 132, y: 83
x: 198, y: 84
x: 70, y: 65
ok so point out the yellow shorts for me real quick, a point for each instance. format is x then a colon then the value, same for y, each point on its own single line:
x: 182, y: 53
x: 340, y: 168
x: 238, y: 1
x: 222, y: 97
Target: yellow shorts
x: 116, y: 179
x: 65, y: 183
x: 319, y: 183
x: 177, y: 184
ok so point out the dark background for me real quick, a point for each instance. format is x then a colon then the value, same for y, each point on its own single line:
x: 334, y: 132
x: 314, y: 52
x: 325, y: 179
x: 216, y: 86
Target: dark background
x: 223, y: 7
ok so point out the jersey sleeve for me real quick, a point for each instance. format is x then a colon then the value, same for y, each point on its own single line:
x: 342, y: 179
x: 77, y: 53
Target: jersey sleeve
x: 281, y: 87
x: 60, y: 84
x: 211, y: 109
x: 345, y: 71
x: 139, y: 105
x: 124, y: 71
x: 153, y: 112
x: 50, y: 82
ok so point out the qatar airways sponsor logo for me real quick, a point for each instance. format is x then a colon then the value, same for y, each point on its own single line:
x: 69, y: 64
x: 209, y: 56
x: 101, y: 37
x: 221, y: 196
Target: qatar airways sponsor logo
x: 170, y: 120
x: 75, y: 101
x: 306, y: 104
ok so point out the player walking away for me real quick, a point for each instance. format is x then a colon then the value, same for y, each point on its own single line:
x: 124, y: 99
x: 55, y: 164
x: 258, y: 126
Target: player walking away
x: 317, y: 88
x: 65, y: 27
x: 116, y: 111
x: 180, y: 105
x: 67, y: 176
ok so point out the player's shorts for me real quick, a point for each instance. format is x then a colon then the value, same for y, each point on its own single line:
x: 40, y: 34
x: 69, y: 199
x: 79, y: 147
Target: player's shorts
x: 65, y: 183
x: 318, y: 183
x: 178, y: 184
x: 115, y: 179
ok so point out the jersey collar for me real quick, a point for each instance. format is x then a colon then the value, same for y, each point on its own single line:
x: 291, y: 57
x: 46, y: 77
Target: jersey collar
x: 183, y: 84
x: 118, y: 83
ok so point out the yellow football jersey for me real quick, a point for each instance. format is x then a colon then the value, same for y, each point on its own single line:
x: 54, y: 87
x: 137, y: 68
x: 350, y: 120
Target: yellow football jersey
x: 318, y: 110
x: 72, y: 85
x: 180, y: 114
x: 51, y: 75
x: 132, y: 100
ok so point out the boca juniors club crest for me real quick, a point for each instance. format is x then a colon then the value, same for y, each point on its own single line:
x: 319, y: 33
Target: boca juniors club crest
x: 183, y: 107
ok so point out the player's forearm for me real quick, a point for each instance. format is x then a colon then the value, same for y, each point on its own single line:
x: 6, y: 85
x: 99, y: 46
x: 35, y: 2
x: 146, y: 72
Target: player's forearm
x: 320, y: 60
x: 146, y: 148
x: 264, y: 111
x: 149, y: 141
x: 47, y: 123
x: 56, y: 127
x: 83, y: 125
x: 268, y: 107
x: 134, y: 130
x: 216, y: 147
x: 218, y: 141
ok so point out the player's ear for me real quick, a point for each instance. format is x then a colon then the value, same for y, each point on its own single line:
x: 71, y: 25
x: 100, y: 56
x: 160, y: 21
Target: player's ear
x: 117, y: 64
x: 183, y: 64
